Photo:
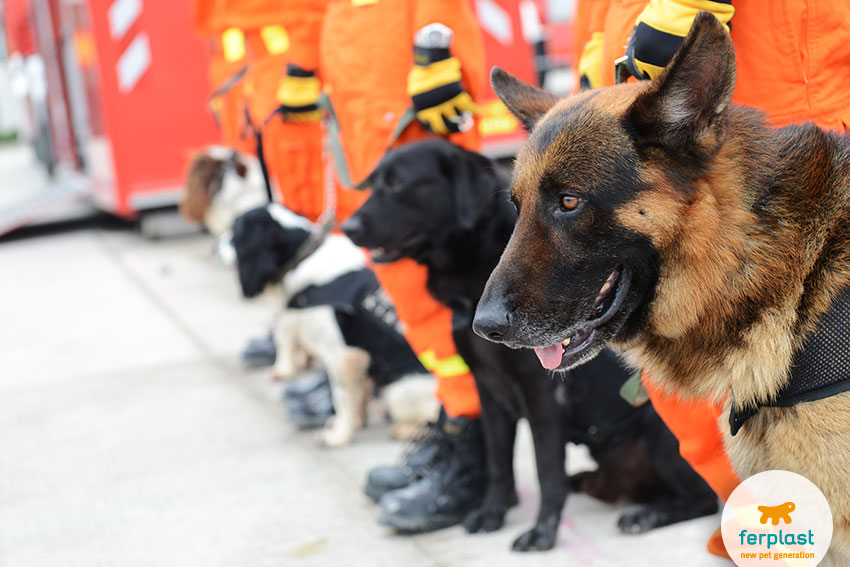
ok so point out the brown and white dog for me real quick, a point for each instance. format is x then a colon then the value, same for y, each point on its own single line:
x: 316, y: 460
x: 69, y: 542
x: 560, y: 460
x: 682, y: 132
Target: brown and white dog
x: 714, y: 250
x: 221, y: 184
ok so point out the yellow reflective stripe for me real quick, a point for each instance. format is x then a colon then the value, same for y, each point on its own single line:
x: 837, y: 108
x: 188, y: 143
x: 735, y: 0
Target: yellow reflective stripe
x: 428, y: 359
x: 275, y: 39
x: 496, y: 119
x: 452, y: 366
x: 448, y: 367
x: 298, y: 91
x: 233, y: 44
x: 363, y: 2
x: 423, y: 79
x: 676, y: 16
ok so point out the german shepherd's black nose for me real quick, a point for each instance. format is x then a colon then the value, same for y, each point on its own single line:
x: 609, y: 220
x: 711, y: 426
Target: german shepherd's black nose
x: 492, y: 321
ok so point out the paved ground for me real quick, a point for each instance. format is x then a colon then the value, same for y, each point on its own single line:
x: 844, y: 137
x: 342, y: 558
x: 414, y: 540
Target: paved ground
x: 130, y: 436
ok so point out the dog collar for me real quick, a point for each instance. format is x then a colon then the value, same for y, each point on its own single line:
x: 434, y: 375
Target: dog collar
x: 820, y: 369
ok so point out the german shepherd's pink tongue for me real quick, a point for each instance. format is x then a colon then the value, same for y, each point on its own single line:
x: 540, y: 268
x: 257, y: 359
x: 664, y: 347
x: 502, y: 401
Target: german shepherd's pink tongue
x: 550, y: 356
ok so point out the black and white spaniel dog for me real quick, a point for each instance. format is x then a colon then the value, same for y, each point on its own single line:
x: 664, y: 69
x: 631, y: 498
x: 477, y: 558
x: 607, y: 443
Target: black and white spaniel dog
x: 335, y: 312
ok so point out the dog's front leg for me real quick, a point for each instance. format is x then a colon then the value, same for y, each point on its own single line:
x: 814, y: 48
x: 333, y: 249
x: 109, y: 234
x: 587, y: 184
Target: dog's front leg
x: 547, y: 431
x: 499, y: 434
x: 688, y: 494
x: 347, y: 375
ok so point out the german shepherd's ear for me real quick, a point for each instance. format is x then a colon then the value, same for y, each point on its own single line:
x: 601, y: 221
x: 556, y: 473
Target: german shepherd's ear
x: 526, y: 102
x: 684, y: 108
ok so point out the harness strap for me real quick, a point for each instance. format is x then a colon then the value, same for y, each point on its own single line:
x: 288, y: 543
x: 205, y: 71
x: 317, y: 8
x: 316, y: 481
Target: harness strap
x: 229, y: 83
x: 820, y: 368
x: 261, y: 157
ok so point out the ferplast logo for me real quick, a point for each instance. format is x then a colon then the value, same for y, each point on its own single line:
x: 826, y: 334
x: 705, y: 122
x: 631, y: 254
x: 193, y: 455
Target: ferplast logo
x: 777, y: 513
x: 777, y: 518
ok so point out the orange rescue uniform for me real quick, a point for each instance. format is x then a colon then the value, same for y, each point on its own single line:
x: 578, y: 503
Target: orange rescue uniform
x: 275, y: 33
x: 366, y: 54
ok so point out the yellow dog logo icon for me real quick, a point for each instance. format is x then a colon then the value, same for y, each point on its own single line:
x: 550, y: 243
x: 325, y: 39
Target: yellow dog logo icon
x: 776, y: 513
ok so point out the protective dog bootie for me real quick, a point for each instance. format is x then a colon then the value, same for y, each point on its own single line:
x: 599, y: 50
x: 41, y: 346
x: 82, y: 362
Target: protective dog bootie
x: 304, y: 384
x: 260, y: 352
x: 451, y: 486
x: 310, y: 405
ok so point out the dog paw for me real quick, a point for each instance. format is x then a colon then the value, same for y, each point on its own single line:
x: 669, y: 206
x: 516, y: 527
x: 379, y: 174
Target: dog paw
x: 404, y: 431
x: 485, y: 519
x: 639, y: 520
x: 540, y: 538
x: 334, y: 436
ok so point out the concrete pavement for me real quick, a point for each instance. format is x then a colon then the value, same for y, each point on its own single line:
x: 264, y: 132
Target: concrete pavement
x: 130, y: 436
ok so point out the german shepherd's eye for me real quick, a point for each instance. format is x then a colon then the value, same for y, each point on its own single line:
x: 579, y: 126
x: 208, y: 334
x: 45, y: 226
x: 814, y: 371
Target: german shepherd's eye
x: 570, y: 203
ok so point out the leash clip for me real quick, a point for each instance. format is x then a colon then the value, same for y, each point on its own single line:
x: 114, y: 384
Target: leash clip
x: 621, y: 70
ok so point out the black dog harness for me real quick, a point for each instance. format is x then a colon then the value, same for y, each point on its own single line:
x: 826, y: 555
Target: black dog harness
x: 820, y: 369
x: 367, y: 320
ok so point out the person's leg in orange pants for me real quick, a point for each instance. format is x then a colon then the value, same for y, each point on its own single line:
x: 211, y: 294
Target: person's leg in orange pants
x: 695, y: 424
x: 428, y: 321
x: 366, y: 74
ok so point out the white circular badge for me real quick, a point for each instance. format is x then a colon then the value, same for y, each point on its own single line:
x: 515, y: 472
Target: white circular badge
x: 777, y: 518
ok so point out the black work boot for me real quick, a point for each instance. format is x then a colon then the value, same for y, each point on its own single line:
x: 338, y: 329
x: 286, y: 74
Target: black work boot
x: 449, y: 488
x: 424, y: 449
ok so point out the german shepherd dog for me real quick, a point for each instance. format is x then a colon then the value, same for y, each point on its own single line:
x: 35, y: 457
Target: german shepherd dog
x: 446, y: 208
x: 661, y: 219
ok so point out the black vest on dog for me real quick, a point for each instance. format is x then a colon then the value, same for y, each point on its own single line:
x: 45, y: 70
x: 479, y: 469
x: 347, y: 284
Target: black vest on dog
x: 367, y: 320
x: 820, y: 369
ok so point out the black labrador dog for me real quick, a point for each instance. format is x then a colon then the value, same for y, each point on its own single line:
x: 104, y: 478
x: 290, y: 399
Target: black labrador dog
x: 448, y: 209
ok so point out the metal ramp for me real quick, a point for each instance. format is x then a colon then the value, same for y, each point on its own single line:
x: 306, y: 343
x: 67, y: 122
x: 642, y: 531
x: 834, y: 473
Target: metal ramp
x: 59, y: 201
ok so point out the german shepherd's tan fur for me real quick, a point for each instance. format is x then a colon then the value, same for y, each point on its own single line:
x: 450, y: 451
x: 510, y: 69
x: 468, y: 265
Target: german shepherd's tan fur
x: 738, y: 240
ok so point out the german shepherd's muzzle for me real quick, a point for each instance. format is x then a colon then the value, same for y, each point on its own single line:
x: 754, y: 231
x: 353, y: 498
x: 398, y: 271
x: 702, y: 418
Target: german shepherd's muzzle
x: 573, y: 277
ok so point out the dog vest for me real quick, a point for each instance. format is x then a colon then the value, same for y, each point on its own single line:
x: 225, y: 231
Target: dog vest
x: 367, y: 320
x: 820, y: 369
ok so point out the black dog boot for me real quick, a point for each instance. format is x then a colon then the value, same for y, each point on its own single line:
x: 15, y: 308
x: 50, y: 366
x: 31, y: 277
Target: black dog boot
x: 260, y: 352
x: 453, y: 485
x: 428, y: 445
x: 312, y: 407
x: 304, y: 384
